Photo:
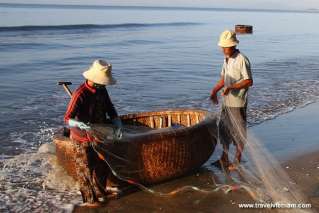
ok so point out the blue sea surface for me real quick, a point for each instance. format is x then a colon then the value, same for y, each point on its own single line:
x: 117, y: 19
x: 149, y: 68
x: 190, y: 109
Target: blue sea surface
x: 162, y: 58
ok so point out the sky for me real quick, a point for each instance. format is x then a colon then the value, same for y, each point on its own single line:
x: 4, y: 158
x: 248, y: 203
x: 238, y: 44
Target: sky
x: 256, y: 4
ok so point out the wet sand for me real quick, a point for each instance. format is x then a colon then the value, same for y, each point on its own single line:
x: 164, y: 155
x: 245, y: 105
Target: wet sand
x: 303, y: 170
x: 300, y: 160
x: 187, y: 201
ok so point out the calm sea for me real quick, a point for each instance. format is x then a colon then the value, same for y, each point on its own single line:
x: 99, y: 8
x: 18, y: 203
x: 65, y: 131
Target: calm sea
x: 162, y: 58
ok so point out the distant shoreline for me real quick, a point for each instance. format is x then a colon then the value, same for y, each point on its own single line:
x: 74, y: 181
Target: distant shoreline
x: 78, y: 6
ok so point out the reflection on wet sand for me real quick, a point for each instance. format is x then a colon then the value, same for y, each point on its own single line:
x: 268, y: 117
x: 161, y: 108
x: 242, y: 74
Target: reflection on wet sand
x: 211, y: 200
x: 208, y: 199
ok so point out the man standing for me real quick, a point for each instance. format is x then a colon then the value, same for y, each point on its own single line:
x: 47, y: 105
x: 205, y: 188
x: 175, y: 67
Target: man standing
x: 89, y: 104
x: 235, y: 79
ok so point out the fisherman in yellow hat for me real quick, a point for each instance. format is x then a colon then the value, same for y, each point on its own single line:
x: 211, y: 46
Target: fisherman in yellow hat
x: 89, y: 105
x: 235, y: 80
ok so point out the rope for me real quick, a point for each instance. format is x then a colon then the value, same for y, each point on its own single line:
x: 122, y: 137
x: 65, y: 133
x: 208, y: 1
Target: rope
x: 223, y: 187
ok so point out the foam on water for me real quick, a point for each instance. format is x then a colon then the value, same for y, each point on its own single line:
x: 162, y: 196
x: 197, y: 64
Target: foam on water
x: 34, y: 181
x: 282, y: 98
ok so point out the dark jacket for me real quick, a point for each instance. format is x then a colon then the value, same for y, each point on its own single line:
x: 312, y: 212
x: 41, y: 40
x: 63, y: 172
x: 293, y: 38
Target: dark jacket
x: 90, y: 105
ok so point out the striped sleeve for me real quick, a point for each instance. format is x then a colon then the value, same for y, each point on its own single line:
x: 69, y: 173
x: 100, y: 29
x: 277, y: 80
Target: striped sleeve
x: 74, y: 104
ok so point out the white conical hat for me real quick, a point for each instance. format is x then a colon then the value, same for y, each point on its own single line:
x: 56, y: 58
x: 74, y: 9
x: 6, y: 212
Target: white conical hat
x: 228, y: 39
x: 100, y: 73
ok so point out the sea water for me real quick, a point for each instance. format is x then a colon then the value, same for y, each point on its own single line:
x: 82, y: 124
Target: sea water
x: 162, y: 58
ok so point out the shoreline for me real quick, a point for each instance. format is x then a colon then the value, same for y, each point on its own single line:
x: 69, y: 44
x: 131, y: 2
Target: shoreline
x: 303, y: 170
x: 292, y: 134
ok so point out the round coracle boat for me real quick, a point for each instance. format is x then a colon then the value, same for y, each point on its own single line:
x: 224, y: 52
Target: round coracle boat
x: 156, y: 146
x: 243, y: 29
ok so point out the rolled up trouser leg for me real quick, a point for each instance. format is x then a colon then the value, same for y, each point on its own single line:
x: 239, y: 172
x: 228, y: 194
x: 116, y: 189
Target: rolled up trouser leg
x: 233, y: 125
x: 84, y: 173
x: 100, y: 171
x: 224, y: 128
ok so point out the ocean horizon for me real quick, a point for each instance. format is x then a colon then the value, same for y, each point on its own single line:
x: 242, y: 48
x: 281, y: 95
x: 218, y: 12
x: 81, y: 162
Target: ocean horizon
x: 138, y: 7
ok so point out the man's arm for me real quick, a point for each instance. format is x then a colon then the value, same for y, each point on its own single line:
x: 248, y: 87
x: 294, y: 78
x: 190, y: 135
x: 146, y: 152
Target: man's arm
x: 72, y: 110
x: 244, y: 84
x: 246, y: 76
x: 111, y: 111
x: 72, y: 107
x: 215, y: 90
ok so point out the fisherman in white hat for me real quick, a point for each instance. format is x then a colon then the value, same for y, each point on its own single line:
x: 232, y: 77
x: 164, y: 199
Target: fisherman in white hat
x: 89, y: 105
x: 235, y: 80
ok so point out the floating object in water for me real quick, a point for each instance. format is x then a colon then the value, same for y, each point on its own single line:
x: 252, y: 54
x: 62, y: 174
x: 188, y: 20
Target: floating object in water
x: 170, y: 144
x: 243, y: 29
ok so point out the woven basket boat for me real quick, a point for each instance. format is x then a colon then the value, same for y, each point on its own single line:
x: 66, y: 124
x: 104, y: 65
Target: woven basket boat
x: 180, y: 141
x: 243, y: 29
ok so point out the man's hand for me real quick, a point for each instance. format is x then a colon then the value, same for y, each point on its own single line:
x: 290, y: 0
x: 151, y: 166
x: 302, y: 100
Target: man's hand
x: 214, y: 97
x: 226, y: 91
x: 79, y: 124
x: 83, y: 126
x: 244, y: 84
x: 218, y: 86
x: 117, y: 133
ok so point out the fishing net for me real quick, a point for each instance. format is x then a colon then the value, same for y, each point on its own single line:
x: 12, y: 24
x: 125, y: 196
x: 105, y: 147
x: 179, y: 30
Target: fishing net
x: 263, y: 175
x: 155, y: 147
x: 161, y: 146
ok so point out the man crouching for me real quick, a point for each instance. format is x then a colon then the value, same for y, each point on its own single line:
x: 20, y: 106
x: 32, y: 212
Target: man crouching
x: 89, y: 105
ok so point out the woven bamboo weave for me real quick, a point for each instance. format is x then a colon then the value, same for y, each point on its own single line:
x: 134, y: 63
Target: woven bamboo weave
x: 180, y: 141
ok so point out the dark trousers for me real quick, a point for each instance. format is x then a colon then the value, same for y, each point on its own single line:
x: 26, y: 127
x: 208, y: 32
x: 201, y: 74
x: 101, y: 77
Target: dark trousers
x: 232, y: 126
x: 91, y: 172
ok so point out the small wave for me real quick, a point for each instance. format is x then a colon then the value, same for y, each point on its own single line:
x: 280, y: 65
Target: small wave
x: 35, y: 182
x: 92, y: 26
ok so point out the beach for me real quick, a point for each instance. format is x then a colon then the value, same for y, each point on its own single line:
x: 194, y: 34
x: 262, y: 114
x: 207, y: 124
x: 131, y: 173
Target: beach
x: 303, y: 170
x: 301, y: 166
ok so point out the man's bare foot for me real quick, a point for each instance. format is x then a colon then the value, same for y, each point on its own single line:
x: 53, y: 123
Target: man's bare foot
x: 233, y: 166
x: 92, y: 205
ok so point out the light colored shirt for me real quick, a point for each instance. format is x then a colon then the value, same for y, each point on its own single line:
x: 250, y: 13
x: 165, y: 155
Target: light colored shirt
x: 236, y: 69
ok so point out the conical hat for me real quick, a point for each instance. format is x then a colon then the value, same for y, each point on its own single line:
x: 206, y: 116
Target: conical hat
x: 100, y: 73
x: 228, y: 39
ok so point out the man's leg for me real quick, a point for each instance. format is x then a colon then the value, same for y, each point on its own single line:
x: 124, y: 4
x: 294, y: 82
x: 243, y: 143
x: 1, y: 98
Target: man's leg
x: 243, y: 134
x: 224, y: 158
x: 99, y: 172
x: 223, y: 129
x: 239, y: 151
x: 84, y: 174
x: 240, y: 148
x: 238, y: 129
